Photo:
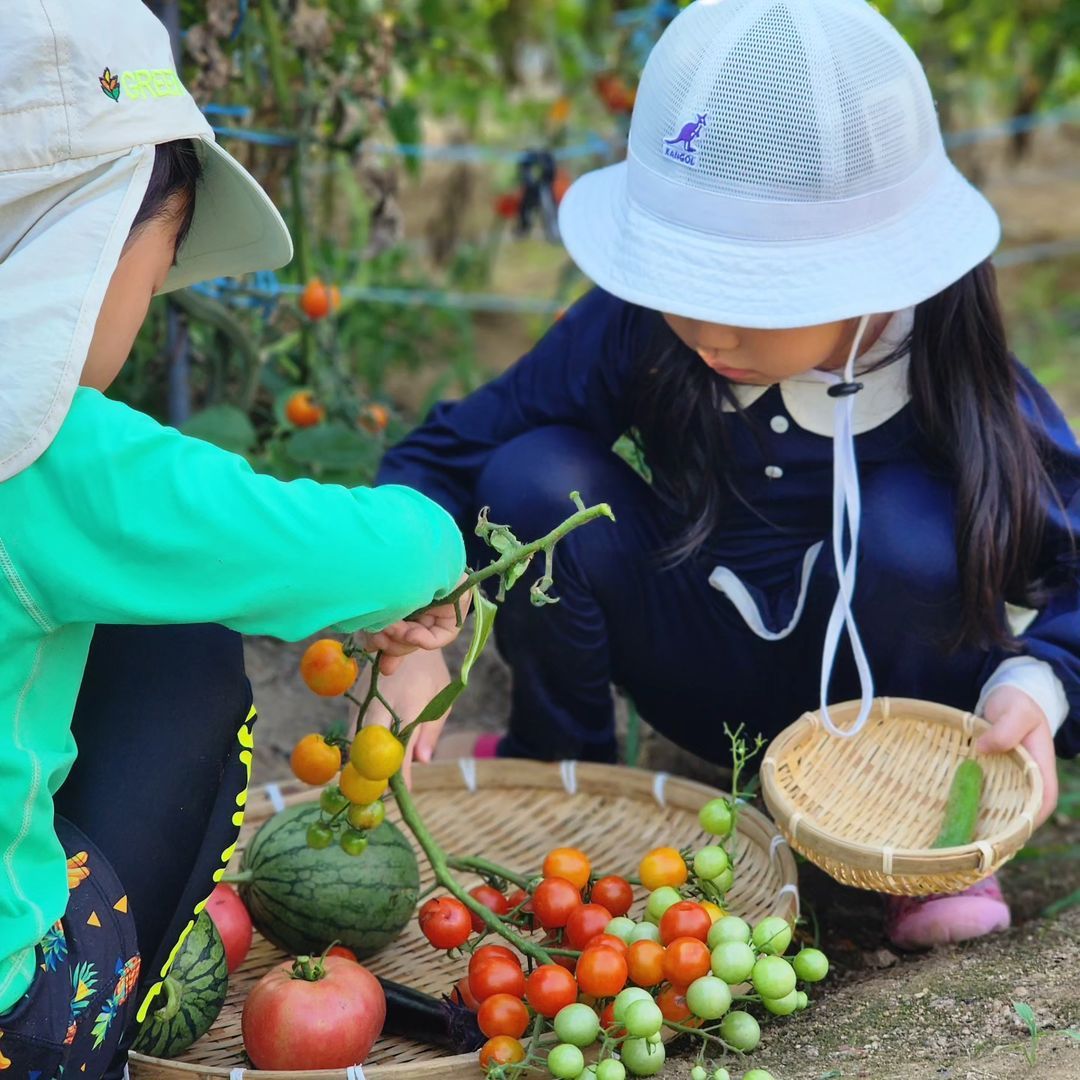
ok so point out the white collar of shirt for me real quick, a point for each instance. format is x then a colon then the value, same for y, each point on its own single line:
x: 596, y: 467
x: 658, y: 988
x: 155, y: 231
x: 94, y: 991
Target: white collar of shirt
x: 885, y: 391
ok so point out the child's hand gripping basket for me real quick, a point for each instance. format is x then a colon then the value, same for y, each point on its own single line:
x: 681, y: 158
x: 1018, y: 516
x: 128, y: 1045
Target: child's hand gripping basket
x: 867, y: 808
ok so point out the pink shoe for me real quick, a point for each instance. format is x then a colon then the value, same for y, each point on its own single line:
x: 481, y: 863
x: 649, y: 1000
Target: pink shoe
x: 487, y: 745
x: 921, y: 922
x: 467, y: 744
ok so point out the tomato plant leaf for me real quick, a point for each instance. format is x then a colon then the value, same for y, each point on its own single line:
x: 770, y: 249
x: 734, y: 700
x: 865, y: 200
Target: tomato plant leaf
x: 483, y: 622
x: 224, y: 426
x: 441, y: 702
x: 333, y: 445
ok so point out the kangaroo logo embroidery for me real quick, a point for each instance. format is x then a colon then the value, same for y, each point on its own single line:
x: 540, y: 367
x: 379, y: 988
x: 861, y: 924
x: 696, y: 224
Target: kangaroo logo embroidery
x: 110, y: 84
x: 681, y: 148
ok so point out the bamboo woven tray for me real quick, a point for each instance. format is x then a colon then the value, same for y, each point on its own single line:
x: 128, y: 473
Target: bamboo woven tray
x: 515, y: 813
x: 865, y: 809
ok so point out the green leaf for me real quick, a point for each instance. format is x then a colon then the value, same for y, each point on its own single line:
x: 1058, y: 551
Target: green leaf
x: 1025, y: 1012
x: 404, y: 120
x: 333, y: 445
x: 223, y: 425
x: 441, y: 702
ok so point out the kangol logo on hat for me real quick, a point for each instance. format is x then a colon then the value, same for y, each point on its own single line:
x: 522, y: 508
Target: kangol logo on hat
x: 110, y: 84
x: 685, y: 139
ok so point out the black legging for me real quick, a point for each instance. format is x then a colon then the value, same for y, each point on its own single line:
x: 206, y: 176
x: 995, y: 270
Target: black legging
x: 160, y: 764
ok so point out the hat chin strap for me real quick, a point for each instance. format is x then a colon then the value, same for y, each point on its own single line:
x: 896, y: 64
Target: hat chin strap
x: 846, y: 506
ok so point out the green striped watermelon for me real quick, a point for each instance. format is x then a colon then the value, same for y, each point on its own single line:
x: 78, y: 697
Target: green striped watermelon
x: 192, y: 996
x: 304, y: 899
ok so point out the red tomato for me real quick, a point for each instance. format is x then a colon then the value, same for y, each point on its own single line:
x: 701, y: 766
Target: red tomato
x: 685, y: 960
x: 645, y: 960
x: 340, y: 950
x: 586, y: 922
x: 330, y: 1023
x: 614, y: 893
x: 489, y: 952
x: 445, y: 922
x: 462, y: 995
x: 502, y: 1050
x: 496, y: 976
x: 610, y: 941
x: 508, y: 205
x: 569, y: 863
x: 492, y: 899
x: 302, y: 411
x: 550, y: 988
x: 233, y: 923
x: 684, y: 919
x: 607, y: 1021
x: 502, y: 1014
x: 554, y: 901
x: 520, y: 898
x: 672, y: 1002
x: 601, y: 972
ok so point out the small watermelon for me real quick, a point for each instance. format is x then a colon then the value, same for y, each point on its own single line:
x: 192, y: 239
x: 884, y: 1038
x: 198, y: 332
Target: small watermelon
x: 304, y: 899
x: 191, y: 997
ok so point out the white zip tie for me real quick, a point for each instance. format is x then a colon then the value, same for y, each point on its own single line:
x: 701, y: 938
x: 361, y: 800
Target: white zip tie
x: 238, y: 1074
x: 273, y: 793
x: 777, y: 840
x: 794, y: 890
x: 568, y: 769
x: 127, y: 1075
x: 354, y: 1072
x: 986, y: 855
x: 658, y: 785
x: 886, y: 860
x: 467, y: 765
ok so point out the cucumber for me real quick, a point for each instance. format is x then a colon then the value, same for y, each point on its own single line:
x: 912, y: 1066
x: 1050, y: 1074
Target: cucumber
x: 962, y: 809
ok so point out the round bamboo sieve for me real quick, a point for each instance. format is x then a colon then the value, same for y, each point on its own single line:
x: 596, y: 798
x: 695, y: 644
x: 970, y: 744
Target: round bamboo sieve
x: 512, y: 812
x: 866, y: 808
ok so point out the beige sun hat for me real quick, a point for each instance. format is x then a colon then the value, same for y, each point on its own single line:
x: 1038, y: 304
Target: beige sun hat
x: 89, y: 89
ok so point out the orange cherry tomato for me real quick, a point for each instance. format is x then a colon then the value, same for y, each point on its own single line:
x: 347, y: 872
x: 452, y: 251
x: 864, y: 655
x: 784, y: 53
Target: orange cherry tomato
x: 614, y: 893
x: 684, y: 919
x: 645, y: 960
x: 375, y: 418
x: 601, y: 972
x: 551, y: 988
x: 314, y: 760
x: 316, y: 300
x: 586, y: 921
x: 301, y: 410
x: 502, y: 1050
x: 685, y: 960
x: 715, y: 910
x: 672, y: 1002
x: 326, y: 669
x: 569, y: 863
x: 503, y: 1014
x: 662, y: 866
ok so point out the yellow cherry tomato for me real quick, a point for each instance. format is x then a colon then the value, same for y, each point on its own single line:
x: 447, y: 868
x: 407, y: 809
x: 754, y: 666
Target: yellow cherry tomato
x: 376, y: 753
x: 662, y: 866
x: 358, y: 789
x: 715, y: 910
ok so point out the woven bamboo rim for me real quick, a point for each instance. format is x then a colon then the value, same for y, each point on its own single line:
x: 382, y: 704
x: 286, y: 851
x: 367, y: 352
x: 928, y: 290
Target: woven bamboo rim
x: 865, y: 809
x: 472, y: 807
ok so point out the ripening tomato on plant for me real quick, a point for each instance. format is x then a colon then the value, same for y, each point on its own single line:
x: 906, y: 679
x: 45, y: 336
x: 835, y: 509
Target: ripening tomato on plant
x: 492, y: 899
x: 584, y: 923
x: 672, y: 1002
x: 508, y: 205
x: 601, y: 972
x: 358, y: 789
x: 684, y: 919
x: 376, y: 752
x: 686, y: 959
x: 554, y: 901
x: 662, y: 866
x: 317, y: 300
x: 503, y: 1014
x: 302, y: 411
x: 645, y: 960
x: 314, y: 760
x: 571, y: 864
x: 496, y: 975
x: 550, y: 988
x: 614, y: 893
x: 445, y: 922
x: 502, y: 1050
x: 326, y: 669
x: 375, y: 418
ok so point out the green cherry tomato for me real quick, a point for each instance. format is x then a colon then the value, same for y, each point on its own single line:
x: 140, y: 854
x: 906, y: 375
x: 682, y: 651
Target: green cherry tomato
x: 641, y: 1057
x: 716, y: 817
x: 655, y: 1038
x: 588, y: 1073
x: 319, y: 836
x: 332, y: 800
x: 721, y: 1074
x: 733, y: 961
x: 622, y: 928
x: 610, y: 1069
x: 711, y: 862
x: 740, y: 1031
x: 723, y: 882
x: 626, y: 998
x: 698, y: 1073
x: 773, y: 977
x: 784, y: 1006
x: 642, y: 1019
x: 659, y: 901
x: 645, y: 931
x: 772, y: 935
x: 708, y: 997
x: 367, y: 817
x: 803, y: 1001
x: 811, y: 965
x: 758, y: 1074
x: 353, y: 842
x: 577, y: 1024
x: 728, y: 928
x: 565, y: 1061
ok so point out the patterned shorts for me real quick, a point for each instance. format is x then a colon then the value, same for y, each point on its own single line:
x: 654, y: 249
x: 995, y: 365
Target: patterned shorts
x: 70, y: 1022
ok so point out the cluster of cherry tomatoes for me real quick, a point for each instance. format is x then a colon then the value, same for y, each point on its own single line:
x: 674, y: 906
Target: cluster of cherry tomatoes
x: 617, y: 981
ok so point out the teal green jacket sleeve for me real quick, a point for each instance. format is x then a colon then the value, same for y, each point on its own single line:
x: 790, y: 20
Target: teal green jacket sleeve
x: 123, y: 520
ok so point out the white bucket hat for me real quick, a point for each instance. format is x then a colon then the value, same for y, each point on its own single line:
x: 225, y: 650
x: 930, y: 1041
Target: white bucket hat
x: 90, y: 88
x: 785, y: 168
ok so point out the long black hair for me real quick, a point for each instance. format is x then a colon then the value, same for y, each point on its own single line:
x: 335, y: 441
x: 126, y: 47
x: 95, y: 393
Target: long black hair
x: 174, y: 181
x: 964, y: 395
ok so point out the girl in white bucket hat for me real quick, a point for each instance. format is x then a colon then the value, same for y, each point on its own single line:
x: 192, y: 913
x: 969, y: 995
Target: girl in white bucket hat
x: 118, y: 532
x: 847, y: 473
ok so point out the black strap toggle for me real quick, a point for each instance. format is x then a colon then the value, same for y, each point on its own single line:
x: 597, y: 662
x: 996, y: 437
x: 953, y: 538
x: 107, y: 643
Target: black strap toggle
x: 844, y: 389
